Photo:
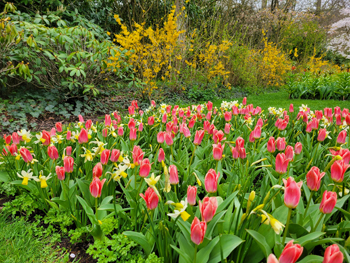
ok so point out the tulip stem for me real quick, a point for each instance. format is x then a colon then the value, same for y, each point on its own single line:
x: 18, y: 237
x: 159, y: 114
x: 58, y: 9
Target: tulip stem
x: 308, y: 203
x: 195, y: 253
x: 194, y: 150
x: 96, y: 201
x: 318, y: 222
x: 287, y: 225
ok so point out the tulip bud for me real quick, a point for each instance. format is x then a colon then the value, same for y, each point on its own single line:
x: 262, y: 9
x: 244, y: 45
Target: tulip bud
x: 291, y: 253
x: 97, y: 170
x: 52, y: 152
x: 333, y: 255
x: 198, y: 231
x: 151, y: 198
x: 191, y: 195
x: 298, y: 148
x: 313, y: 178
x: 68, y: 164
x: 83, y: 136
x: 96, y: 187
x: 208, y: 208
x: 292, y: 192
x: 58, y: 126
x: 329, y: 200
x: 60, y: 173
x: 145, y: 167
x: 211, y: 181
x: 341, y: 137
x: 26, y: 155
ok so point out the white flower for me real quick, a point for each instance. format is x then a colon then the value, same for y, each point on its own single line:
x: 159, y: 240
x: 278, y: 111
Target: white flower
x: 26, y: 136
x: 26, y: 176
x: 180, y: 209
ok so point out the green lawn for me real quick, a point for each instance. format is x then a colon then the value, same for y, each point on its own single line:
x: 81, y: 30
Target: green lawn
x: 281, y: 100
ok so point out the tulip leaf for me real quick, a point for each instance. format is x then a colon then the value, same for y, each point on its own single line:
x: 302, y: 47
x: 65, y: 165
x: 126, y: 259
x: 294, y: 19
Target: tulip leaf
x: 226, y: 244
x: 183, y: 254
x: 84, y: 188
x: 107, y: 200
x: 185, y: 229
x: 185, y: 246
x: 212, y: 224
x: 4, y: 177
x: 61, y: 202
x: 204, y: 253
x: 298, y: 230
x: 140, y: 239
x: 226, y: 203
x: 260, y: 239
x: 311, y: 245
x: 308, y: 238
x: 30, y: 187
x: 87, y: 210
x: 311, y: 259
x: 345, y: 213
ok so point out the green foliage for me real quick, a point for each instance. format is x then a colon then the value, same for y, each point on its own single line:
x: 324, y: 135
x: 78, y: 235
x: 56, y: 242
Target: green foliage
x: 201, y: 92
x: 22, y: 205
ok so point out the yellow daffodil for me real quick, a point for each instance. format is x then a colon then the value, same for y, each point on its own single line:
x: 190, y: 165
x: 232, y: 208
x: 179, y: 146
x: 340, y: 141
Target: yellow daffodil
x: 26, y: 176
x: 180, y: 209
x: 42, y: 179
x: 40, y: 138
x: 276, y: 225
x: 26, y: 136
x: 119, y: 171
x: 152, y: 180
x: 88, y: 155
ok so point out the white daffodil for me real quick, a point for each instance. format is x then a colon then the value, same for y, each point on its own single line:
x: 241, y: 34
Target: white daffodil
x: 26, y: 176
x: 119, y: 171
x: 88, y: 155
x: 42, y: 179
x: 26, y: 136
x: 40, y: 138
x: 180, y: 209
x: 57, y: 138
x: 303, y: 107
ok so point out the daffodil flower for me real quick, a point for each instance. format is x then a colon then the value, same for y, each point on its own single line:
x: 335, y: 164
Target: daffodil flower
x: 268, y: 219
x: 42, y: 179
x: 26, y: 136
x: 40, y: 138
x: 26, y: 176
x: 119, y: 172
x: 180, y: 209
x: 88, y: 155
x: 152, y: 180
x: 57, y: 138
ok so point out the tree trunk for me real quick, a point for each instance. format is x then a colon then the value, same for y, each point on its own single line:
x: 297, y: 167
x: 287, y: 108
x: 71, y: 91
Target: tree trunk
x: 318, y: 7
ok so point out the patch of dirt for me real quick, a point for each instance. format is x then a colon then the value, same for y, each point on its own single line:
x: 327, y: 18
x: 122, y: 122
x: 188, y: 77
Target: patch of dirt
x: 78, y: 249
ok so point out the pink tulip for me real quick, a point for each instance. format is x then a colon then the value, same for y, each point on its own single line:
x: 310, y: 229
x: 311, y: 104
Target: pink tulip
x: 191, y: 195
x: 131, y: 124
x: 318, y: 114
x: 242, y: 153
x: 153, y: 103
x: 105, y: 156
x: 68, y: 162
x: 151, y: 198
x: 108, y: 120
x: 281, y: 143
x: 105, y: 133
x: 198, y: 231
x: 313, y: 178
x: 272, y: 259
x: 83, y: 136
x: 338, y: 120
x: 137, y: 154
x: 344, y: 153
x: 239, y: 142
x: 347, y: 119
x: 227, y: 128
x: 291, y: 253
x: 47, y: 137
x: 169, y: 126
x: 164, y: 118
x: 322, y: 134
x: 96, y: 187
x: 208, y: 208
x: 298, y: 147
x: 328, y: 112
x: 133, y: 134
x: 161, y: 155
x: 88, y: 124
x: 141, y: 127
x: 168, y: 138
x: 235, y: 153
x: 131, y: 110
x: 329, y: 200
x: 53, y: 132
x: 257, y: 132
x: 291, y: 108
x: 81, y: 119
x: 115, y: 155
x: 52, y: 152
x: 218, y: 136
x: 150, y: 120
x: 134, y: 104
x: 69, y: 134
x: 211, y: 181
x: 60, y: 173
x: 333, y: 255
x: 97, y: 170
x: 289, y: 152
x: 271, y: 145
x: 26, y: 155
x: 59, y: 126
x: 145, y: 167
x: 209, y: 105
x: 192, y: 122
x: 244, y: 102
x: 181, y: 113
x: 309, y: 127
x: 337, y: 110
x: 341, y: 137
x: 281, y: 163
x: 198, y: 137
x: 208, y: 117
x: 186, y: 132
x: 338, y: 170
x: 235, y: 110
x: 174, y: 177
x: 120, y: 131
x: 228, y: 116
x: 160, y: 137
x: 217, y: 151
x: 292, y: 192
x: 15, y: 138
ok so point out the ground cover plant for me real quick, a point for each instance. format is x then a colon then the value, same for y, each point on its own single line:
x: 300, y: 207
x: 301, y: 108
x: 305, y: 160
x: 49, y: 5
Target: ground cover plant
x: 195, y: 184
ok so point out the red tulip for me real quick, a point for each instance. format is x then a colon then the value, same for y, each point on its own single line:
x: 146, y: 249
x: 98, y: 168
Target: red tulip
x: 15, y: 138
x: 13, y: 149
x: 292, y: 192
x: 191, y: 195
x: 60, y: 173
x: 217, y: 151
x: 150, y: 120
x: 218, y: 136
x: 52, y: 152
x: 291, y: 253
x: 271, y: 145
x: 208, y: 208
x: 208, y: 117
x: 198, y: 137
x: 309, y: 127
x: 338, y: 170
x: 228, y: 116
x: 131, y: 124
x: 344, y: 153
x: 257, y: 132
x: 347, y: 119
x: 133, y: 134
x: 153, y: 103
x: 209, y: 105
x: 131, y: 110
x: 227, y: 128
x: 281, y: 143
x: 322, y: 134
x: 145, y: 167
x: 174, y: 177
x: 192, y: 122
x: 318, y: 114
x: 329, y: 200
x: 338, y: 120
x: 83, y: 136
x: 211, y: 181
x: 337, y: 110
x: 151, y: 198
x: 198, y: 231
x: 341, y: 137
x: 68, y: 164
x: 96, y: 187
x: 168, y: 108
x: 289, y: 152
x: 97, y: 170
x: 164, y: 118
x: 120, y: 131
x: 88, y: 124
x: 115, y: 155
x: 242, y: 153
x: 161, y: 155
x: 333, y: 255
x: 108, y: 120
x: 313, y: 178
x: 26, y: 155
x: 291, y: 108
x: 137, y: 154
x: 235, y: 153
x: 59, y: 126
x: 281, y: 163
x: 244, y: 102
x: 105, y: 156
x: 181, y: 113
x: 235, y: 110
x: 168, y: 138
x: 47, y: 137
x: 69, y: 133
x: 105, y: 132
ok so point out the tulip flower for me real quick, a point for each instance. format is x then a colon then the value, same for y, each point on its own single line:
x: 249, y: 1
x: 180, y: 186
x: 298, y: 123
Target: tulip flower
x: 97, y: 170
x: 244, y: 102
x: 228, y: 116
x: 160, y: 137
x: 192, y: 122
x: 133, y: 134
x: 260, y: 122
x: 208, y: 117
x: 208, y: 208
x: 257, y: 132
x: 217, y: 151
x: 347, y: 119
x: 140, y: 127
x: 151, y: 198
x: 83, y: 136
x: 337, y: 110
x: 96, y: 187
x: 68, y: 162
x: 59, y: 126
x: 272, y: 259
x: 186, y: 132
x: 329, y: 200
x: 153, y: 103
x: 52, y: 152
x: 164, y: 118
x: 235, y: 153
x: 68, y: 150
x: 47, y: 138
x: 338, y: 170
x: 291, y: 108
x: 26, y: 155
x: 60, y: 173
x: 168, y: 138
x: 198, y: 229
x: 174, y: 177
x: 191, y: 195
x: 227, y: 128
x: 309, y: 127
x: 88, y: 124
x: 242, y: 153
x: 131, y: 124
x: 218, y: 136
x: 105, y: 156
x: 198, y: 137
x: 281, y: 163
x: 108, y: 120
x: 338, y: 120
x: 120, y: 131
x: 131, y: 110
x: 161, y: 155
x: 211, y: 181
x: 15, y: 138
x: 137, y: 154
x: 281, y: 143
x: 68, y: 136
x: 289, y: 152
x: 145, y: 167
x: 292, y: 192
x: 341, y: 137
x: 150, y: 120
x: 333, y: 255
x: 115, y: 154
x: 105, y: 132
x: 209, y: 105
x: 12, y: 149
x: 298, y: 147
x: 344, y: 153
x: 271, y: 145
x: 313, y: 178
x: 235, y: 110
x: 322, y: 134
x: 291, y: 253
